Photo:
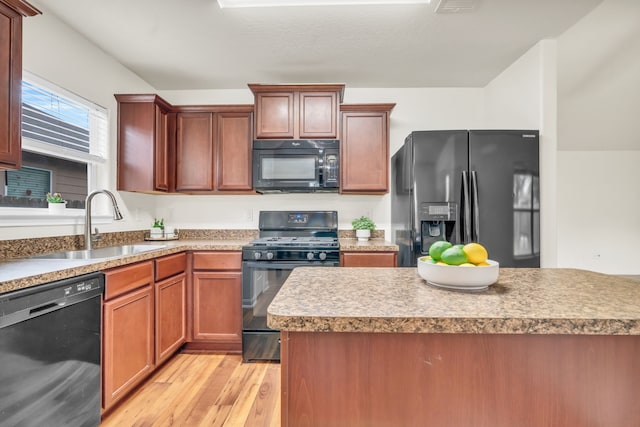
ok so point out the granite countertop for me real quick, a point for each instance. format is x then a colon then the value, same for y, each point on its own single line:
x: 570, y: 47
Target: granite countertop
x: 22, y: 273
x: 522, y: 301
x: 25, y: 272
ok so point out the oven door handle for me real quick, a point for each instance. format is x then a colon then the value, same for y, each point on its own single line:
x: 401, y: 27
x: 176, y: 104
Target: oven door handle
x: 279, y: 265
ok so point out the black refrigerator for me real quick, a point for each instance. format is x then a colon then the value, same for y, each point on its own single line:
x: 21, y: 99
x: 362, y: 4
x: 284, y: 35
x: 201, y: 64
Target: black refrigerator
x: 468, y: 186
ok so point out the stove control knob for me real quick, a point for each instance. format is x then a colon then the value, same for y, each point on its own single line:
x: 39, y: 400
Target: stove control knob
x: 269, y: 255
x: 310, y: 256
x: 257, y: 255
x: 322, y: 256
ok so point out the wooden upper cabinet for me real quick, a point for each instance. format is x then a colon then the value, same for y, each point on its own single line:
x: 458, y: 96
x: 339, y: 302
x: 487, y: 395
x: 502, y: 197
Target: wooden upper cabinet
x: 318, y: 114
x: 146, y: 135
x: 364, y: 161
x: 234, y: 151
x: 275, y: 115
x: 213, y: 150
x: 297, y: 111
x: 11, y: 13
x: 195, y: 151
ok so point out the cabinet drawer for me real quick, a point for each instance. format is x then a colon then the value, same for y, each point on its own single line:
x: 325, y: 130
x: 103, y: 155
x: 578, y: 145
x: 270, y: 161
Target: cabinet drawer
x: 368, y: 259
x: 217, y: 260
x: 124, y: 279
x: 170, y: 265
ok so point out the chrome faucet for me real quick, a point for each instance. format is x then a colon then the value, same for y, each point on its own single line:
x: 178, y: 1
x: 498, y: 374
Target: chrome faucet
x: 87, y: 215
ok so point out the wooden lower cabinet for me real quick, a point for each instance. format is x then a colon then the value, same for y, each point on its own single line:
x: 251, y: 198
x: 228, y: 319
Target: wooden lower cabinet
x: 171, y: 316
x: 368, y: 259
x: 216, y: 295
x: 128, y: 350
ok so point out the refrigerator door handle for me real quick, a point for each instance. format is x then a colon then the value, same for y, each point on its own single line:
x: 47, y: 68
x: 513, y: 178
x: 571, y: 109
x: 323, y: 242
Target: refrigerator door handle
x: 476, y: 206
x: 466, y: 207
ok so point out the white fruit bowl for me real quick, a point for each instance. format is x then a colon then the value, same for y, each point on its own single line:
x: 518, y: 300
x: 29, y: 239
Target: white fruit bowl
x: 459, y: 278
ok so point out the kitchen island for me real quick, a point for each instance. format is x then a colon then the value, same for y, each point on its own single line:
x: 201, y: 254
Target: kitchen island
x: 380, y: 347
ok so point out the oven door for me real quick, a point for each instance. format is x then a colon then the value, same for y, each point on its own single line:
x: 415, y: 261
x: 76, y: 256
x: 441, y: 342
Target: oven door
x: 261, y: 281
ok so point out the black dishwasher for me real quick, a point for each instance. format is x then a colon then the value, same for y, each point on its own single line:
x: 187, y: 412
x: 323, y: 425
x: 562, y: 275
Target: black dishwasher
x: 50, y: 354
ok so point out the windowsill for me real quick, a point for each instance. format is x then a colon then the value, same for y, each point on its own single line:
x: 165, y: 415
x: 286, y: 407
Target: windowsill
x: 33, y: 217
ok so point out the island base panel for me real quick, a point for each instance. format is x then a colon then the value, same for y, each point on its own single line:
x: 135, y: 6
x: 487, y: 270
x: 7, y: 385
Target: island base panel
x: 382, y: 379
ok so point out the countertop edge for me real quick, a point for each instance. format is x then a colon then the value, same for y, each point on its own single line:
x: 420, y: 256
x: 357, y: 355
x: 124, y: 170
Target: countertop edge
x: 416, y: 325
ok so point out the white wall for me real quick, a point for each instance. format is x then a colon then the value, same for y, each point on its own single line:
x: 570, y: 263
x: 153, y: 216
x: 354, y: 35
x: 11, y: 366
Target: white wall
x: 54, y: 52
x: 599, y: 140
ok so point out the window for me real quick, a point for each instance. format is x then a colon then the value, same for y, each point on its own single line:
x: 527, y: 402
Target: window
x: 64, y: 138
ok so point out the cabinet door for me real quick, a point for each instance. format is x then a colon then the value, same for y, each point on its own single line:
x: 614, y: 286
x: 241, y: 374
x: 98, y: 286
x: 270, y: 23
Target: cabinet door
x: 275, y: 115
x: 217, y: 307
x: 195, y: 152
x: 171, y: 316
x: 318, y: 115
x: 368, y: 259
x: 364, y: 152
x: 234, y: 151
x: 128, y: 343
x: 10, y: 88
x: 144, y: 138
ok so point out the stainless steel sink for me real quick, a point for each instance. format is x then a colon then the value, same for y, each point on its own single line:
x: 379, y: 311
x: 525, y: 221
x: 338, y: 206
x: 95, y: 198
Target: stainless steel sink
x: 101, y: 253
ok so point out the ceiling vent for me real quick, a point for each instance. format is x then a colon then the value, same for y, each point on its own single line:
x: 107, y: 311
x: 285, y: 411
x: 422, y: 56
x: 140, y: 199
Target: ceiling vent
x: 455, y: 6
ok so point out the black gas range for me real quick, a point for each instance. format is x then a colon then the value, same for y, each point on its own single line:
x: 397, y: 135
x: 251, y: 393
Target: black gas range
x: 287, y: 239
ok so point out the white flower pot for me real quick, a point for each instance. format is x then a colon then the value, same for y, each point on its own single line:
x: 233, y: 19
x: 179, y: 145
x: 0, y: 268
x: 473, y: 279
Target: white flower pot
x: 363, y: 235
x: 57, y: 208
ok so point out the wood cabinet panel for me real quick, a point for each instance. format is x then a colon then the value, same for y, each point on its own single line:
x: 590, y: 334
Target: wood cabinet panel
x: 161, y: 154
x: 171, y: 316
x: 121, y: 280
x: 146, y: 134
x: 170, y: 265
x: 368, y: 259
x: 523, y: 380
x: 195, y: 152
x: 275, y: 115
x: 365, y: 149
x: 217, y: 307
x: 128, y: 350
x: 234, y: 151
x: 11, y: 14
x: 296, y: 111
x: 318, y: 115
x: 231, y: 260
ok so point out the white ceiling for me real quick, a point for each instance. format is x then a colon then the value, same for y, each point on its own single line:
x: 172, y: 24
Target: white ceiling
x: 193, y: 44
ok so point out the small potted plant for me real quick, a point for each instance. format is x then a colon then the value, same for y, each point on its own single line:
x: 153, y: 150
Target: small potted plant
x: 363, y: 226
x: 158, y: 228
x: 56, y: 203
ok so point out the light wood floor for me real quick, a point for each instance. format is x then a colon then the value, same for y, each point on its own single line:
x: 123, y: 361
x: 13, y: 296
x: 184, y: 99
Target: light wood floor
x: 204, y: 390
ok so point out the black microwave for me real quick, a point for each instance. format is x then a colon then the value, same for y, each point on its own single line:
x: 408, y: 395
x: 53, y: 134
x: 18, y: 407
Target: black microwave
x: 296, y: 165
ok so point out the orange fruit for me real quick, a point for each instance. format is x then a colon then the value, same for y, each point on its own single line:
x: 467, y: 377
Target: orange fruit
x: 476, y: 253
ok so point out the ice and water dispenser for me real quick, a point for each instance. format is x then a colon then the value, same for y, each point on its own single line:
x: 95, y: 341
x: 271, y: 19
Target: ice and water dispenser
x: 437, y: 222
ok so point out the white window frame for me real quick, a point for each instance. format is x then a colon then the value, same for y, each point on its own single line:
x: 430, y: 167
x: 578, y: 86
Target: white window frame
x: 96, y: 159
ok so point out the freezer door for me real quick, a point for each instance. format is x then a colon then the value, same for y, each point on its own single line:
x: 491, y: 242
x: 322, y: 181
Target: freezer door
x: 504, y: 175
